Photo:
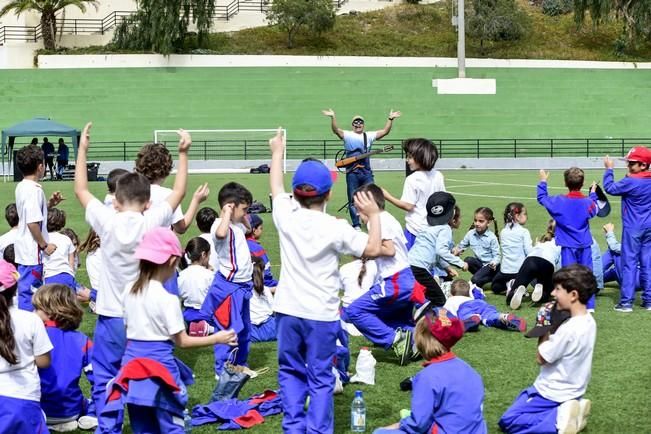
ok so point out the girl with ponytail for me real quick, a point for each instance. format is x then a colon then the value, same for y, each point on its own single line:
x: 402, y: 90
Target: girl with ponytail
x: 263, y: 322
x: 195, y: 278
x: 24, y: 346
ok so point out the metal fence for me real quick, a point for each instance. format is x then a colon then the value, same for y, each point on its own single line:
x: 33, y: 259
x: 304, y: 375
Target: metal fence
x: 258, y: 149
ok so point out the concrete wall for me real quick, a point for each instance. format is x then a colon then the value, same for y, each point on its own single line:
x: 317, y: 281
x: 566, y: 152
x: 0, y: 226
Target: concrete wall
x: 18, y: 55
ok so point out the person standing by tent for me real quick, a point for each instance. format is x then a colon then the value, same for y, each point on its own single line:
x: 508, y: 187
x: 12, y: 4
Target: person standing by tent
x: 63, y: 154
x: 48, y: 151
x: 357, y: 142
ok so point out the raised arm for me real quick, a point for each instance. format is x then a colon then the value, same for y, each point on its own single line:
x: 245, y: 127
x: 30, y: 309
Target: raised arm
x: 277, y: 147
x: 365, y: 203
x: 199, y: 196
x: 333, y: 123
x: 181, y: 179
x: 387, y: 127
x: 81, y: 176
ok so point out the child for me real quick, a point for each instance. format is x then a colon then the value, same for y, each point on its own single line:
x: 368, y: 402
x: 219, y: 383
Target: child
x: 419, y: 186
x: 539, y: 266
x: 152, y: 382
x: 195, y: 278
x: 120, y: 234
x: 515, y: 241
x: 62, y: 400
x: 612, y: 259
x: 227, y: 303
x: 32, y: 237
x: 307, y: 296
x: 473, y: 311
x: 93, y: 249
x: 448, y: 394
x: 432, y: 245
x: 484, y: 245
x: 111, y: 184
x: 257, y: 250
x: 384, y: 313
x: 11, y: 215
x: 555, y: 401
x: 59, y: 266
x: 572, y: 213
x: 263, y: 323
x: 205, y: 218
x: 356, y: 277
x: 635, y: 190
x: 24, y: 346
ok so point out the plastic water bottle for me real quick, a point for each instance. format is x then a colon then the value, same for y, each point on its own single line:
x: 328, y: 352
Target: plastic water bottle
x: 187, y: 422
x: 358, y: 413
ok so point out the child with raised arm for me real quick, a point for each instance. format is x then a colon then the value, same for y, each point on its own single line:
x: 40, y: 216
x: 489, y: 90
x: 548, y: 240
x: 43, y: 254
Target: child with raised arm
x: 419, y: 185
x: 307, y: 296
x: 572, y: 213
x: 635, y: 190
x: 120, y: 234
x: 555, y: 401
x: 612, y: 259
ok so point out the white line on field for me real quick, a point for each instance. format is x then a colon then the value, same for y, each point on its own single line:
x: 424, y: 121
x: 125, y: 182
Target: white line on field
x: 471, y: 185
x: 612, y: 202
x: 502, y: 183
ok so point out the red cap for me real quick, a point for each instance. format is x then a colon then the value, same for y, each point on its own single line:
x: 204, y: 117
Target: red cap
x: 445, y: 327
x: 639, y: 153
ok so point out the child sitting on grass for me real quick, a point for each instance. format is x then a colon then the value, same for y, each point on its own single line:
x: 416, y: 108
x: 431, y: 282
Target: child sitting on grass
x: 555, y: 401
x: 448, y: 394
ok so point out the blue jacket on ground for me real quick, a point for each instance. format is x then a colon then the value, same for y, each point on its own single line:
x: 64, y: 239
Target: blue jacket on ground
x: 572, y: 213
x: 635, y: 190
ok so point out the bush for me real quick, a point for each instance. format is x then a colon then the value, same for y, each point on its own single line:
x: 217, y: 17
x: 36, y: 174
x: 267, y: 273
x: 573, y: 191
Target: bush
x: 557, y: 7
x: 413, y: 2
x: 497, y: 20
x: 292, y: 16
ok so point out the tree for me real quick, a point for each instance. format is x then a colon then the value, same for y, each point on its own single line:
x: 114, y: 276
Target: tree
x: 497, y: 20
x: 292, y: 16
x: 48, y: 10
x: 162, y: 25
x: 636, y: 15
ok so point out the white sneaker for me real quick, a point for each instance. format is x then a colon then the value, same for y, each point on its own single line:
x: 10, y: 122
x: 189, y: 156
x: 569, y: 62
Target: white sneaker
x: 87, y: 422
x: 516, y: 300
x: 509, y: 286
x: 585, y: 406
x: 567, y: 418
x: 537, y: 293
x: 64, y: 427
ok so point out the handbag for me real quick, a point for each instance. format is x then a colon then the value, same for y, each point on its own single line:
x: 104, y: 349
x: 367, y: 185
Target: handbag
x: 230, y: 381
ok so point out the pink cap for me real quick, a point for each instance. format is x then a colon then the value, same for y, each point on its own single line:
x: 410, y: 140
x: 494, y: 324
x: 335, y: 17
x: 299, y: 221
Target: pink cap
x: 8, y: 275
x: 158, y: 245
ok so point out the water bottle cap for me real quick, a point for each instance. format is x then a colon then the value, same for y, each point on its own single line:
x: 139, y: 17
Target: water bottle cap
x: 358, y: 393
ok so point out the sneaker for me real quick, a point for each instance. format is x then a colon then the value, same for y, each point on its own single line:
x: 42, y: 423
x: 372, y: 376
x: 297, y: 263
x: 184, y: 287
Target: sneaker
x: 402, y: 345
x: 471, y: 324
x: 87, y: 422
x: 415, y: 353
x: 419, y: 312
x: 512, y: 322
x: 625, y: 308
x: 509, y: 286
x: 476, y: 292
x: 537, y: 293
x: 584, y: 411
x: 357, y: 228
x: 646, y: 306
x: 567, y: 418
x: 516, y: 300
x: 64, y: 427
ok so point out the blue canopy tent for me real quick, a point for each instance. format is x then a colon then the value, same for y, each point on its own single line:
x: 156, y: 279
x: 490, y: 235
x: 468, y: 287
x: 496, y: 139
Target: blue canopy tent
x: 37, y: 127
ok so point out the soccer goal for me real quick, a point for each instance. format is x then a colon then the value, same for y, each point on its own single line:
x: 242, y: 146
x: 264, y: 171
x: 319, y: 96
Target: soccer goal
x: 230, y: 150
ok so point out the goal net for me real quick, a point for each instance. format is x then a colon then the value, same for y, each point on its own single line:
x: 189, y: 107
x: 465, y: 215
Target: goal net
x: 225, y: 151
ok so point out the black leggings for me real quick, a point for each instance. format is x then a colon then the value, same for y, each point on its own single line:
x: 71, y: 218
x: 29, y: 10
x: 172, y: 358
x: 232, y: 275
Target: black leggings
x: 481, y: 274
x: 538, y: 269
x: 433, y: 291
x: 498, y: 285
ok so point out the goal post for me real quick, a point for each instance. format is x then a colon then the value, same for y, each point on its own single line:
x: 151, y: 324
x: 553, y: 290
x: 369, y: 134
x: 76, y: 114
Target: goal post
x: 238, y: 144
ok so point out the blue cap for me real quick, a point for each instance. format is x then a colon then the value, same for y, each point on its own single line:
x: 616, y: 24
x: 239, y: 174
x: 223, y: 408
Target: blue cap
x: 312, y: 173
x: 358, y: 393
x: 255, y: 220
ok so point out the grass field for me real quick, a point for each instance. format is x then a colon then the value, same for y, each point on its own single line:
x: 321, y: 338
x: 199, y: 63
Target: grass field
x: 505, y: 360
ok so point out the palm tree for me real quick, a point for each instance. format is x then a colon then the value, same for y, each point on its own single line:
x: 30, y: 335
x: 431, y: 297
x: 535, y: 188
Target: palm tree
x: 48, y: 10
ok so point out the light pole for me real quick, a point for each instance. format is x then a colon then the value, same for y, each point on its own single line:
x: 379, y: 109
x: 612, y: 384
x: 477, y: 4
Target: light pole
x: 461, y: 39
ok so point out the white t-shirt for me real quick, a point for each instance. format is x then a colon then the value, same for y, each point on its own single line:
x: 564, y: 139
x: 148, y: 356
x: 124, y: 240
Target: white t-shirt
x: 568, y: 353
x: 310, y: 245
x: 120, y: 233
x: 59, y: 261
x: 391, y: 230
x: 21, y: 381
x: 261, y: 306
x: 418, y: 187
x: 94, y: 267
x: 7, y: 239
x: 153, y: 314
x: 159, y: 194
x: 194, y: 283
x: 32, y: 208
x: 233, y: 253
x: 108, y: 200
x: 549, y: 251
x: 452, y: 304
x: 213, y: 260
x: 349, y: 274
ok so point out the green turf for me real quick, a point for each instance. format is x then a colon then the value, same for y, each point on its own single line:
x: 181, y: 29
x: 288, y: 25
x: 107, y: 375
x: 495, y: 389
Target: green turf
x: 505, y: 360
x: 129, y: 104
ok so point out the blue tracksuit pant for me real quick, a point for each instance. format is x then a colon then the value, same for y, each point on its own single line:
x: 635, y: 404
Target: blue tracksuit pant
x: 265, y: 332
x: 31, y: 278
x: 581, y: 256
x: 63, y: 279
x: 354, y: 180
x: 22, y: 416
x: 306, y: 349
x: 530, y: 413
x: 636, y: 246
x: 490, y: 316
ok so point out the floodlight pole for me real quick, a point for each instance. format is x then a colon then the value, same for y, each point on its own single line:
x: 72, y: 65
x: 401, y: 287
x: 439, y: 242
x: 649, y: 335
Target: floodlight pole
x: 461, y: 39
